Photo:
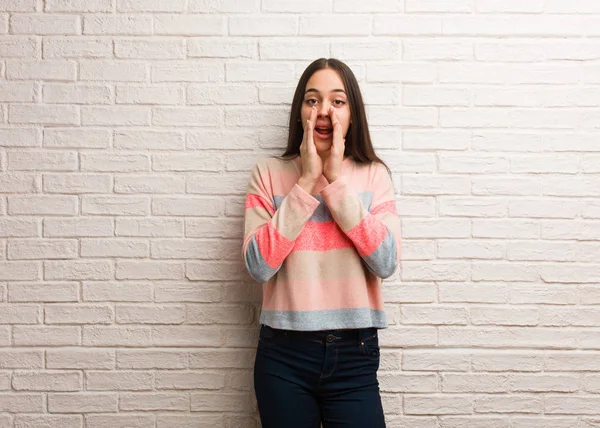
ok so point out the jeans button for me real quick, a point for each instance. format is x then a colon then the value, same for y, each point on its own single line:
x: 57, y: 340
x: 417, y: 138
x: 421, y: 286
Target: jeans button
x: 330, y: 338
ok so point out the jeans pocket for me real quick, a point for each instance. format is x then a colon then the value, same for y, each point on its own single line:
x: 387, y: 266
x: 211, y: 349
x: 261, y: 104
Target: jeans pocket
x: 266, y: 335
x: 370, y: 347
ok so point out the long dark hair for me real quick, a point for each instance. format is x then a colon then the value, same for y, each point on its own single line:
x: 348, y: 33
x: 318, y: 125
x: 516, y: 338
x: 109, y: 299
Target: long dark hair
x: 358, y: 139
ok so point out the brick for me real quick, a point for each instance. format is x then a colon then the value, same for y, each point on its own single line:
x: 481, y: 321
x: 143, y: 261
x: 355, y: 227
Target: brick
x: 451, y: 6
x: 437, y: 404
x: 188, y: 71
x: 78, y: 227
x: 246, y: 72
x: 201, y: 401
x: 153, y: 140
x: 190, y: 162
x: 47, y: 381
x: 163, y: 314
x: 115, y: 71
x: 114, y: 248
x: 149, y: 227
x: 43, y: 115
x: 154, y: 183
x: 431, y: 360
x: 125, y: 25
x: 16, y: 182
x: 21, y: 359
x: 20, y: 137
x: 335, y: 25
x: 41, y: 70
x: 149, y: 49
x: 77, y: 138
x: 401, y: 383
x: 186, y: 293
x: 205, y: 94
x: 20, y: 271
x: 151, y: 6
x: 149, y: 270
x: 77, y: 358
x: 77, y: 47
x: 156, y: 94
x: 20, y: 314
x: 115, y: 115
x: 46, y: 336
x: 43, y: 421
x: 263, y: 25
x: 82, y: 403
x: 413, y: 25
x: 19, y: 6
x: 154, y: 401
x: 19, y: 47
x: 166, y: 336
x: 228, y: 6
x: 186, y: 116
x: 115, y: 205
x: 118, y: 381
x: 21, y: 403
x: 78, y: 270
x: 189, y: 206
x: 17, y: 92
x: 218, y: 47
x: 71, y: 183
x: 77, y: 94
x: 189, y: 380
x: 189, y: 25
x: 78, y: 6
x: 211, y: 314
x: 46, y: 292
x: 152, y: 359
x: 120, y: 291
x: 78, y: 314
x: 42, y: 160
x: 119, y: 421
x: 115, y: 336
x: 509, y: 404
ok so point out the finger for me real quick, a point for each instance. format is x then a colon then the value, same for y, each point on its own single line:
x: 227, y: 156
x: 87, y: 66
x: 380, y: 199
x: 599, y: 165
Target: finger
x: 337, y: 126
x: 311, y: 126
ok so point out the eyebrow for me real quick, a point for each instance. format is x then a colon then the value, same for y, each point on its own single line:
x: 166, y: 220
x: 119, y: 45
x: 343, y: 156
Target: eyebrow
x: 315, y: 90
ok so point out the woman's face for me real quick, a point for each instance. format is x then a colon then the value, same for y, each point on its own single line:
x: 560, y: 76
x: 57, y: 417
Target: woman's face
x: 324, y: 89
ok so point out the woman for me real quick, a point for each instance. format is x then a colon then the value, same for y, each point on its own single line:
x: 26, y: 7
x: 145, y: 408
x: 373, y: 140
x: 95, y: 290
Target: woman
x: 321, y: 231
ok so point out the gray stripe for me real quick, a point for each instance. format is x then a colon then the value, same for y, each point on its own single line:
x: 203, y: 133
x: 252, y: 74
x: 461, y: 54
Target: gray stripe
x: 322, y: 213
x: 329, y: 319
x: 256, y: 264
x: 382, y: 261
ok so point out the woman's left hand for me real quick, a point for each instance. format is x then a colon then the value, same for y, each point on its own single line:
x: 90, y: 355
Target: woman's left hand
x: 332, y: 166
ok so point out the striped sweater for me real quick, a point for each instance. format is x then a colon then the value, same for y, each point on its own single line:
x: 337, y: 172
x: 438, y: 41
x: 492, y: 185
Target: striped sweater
x: 321, y: 257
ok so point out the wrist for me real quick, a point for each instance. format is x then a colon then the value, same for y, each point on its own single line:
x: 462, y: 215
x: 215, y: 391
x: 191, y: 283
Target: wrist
x: 306, y: 184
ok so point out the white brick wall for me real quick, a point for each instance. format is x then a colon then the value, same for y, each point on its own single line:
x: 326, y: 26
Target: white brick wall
x: 127, y: 130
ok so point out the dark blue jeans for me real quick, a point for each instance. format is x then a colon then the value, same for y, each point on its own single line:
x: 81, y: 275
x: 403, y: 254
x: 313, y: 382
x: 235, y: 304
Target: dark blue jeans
x: 304, y: 379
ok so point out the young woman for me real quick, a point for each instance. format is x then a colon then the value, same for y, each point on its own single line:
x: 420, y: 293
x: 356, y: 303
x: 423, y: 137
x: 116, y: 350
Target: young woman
x: 321, y: 231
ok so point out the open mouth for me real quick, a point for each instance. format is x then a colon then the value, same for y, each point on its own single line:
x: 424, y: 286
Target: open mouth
x: 324, y: 133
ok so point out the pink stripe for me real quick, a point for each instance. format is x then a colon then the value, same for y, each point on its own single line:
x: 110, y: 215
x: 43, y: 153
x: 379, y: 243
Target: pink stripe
x: 317, y: 236
x: 273, y: 246
x: 386, y: 207
x: 253, y: 201
x: 368, y: 234
x: 322, y: 295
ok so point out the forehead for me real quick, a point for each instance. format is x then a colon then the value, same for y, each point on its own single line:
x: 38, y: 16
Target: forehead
x: 325, y: 80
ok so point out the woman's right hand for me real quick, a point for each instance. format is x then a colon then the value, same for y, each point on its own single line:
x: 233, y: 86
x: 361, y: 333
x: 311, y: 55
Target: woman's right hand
x: 312, y: 165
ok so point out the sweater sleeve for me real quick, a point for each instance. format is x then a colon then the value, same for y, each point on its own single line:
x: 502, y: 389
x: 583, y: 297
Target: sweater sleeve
x: 374, y: 233
x: 269, y: 234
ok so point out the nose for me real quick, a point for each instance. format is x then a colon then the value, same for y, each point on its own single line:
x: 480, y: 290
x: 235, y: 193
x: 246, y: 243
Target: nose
x: 324, y: 108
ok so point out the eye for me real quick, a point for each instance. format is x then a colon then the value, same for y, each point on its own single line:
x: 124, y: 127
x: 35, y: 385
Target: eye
x: 339, y: 103
x: 310, y: 101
